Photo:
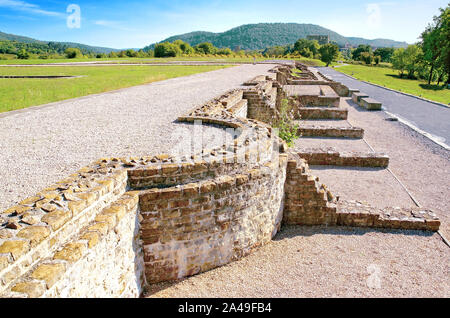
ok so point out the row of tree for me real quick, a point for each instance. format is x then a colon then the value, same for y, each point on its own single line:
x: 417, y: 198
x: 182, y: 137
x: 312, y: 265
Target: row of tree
x: 302, y: 48
x: 429, y: 59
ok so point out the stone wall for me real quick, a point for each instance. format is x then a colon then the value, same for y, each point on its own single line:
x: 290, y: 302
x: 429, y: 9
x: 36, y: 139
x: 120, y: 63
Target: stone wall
x: 322, y: 113
x: 199, y: 226
x: 308, y: 202
x: 120, y: 223
x: 331, y: 157
x: 89, y: 236
x: 336, y: 132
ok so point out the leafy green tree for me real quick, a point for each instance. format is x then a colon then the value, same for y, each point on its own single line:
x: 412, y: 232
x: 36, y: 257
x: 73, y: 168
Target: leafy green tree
x: 329, y: 53
x: 206, y: 48
x: 399, y: 61
x: 435, y: 43
x: 167, y: 49
x: 72, y: 53
x: 356, y: 54
x: 23, y: 54
x: 131, y: 53
x: 377, y: 59
x: 366, y: 57
x: 307, y: 48
x: 385, y: 53
x: 413, y: 56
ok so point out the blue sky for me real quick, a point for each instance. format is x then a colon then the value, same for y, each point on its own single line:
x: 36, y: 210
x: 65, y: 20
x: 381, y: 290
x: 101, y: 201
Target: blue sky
x: 126, y: 24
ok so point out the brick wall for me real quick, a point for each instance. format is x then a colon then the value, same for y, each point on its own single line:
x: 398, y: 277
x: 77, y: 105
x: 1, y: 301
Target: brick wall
x: 120, y: 223
x: 199, y: 226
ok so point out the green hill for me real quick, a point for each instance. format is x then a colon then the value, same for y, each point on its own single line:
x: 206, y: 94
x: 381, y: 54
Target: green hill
x: 263, y: 35
x: 57, y: 47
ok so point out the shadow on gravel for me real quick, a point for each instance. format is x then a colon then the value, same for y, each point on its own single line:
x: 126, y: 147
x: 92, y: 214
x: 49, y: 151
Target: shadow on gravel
x: 291, y: 231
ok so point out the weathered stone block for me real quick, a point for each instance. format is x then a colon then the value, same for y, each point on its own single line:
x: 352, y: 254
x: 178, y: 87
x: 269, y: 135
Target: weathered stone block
x: 33, y: 289
x: 16, y: 247
x: 50, y: 273
x: 35, y: 234
x: 71, y: 252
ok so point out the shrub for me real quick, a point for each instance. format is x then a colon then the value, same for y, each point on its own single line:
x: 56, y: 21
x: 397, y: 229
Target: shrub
x: 288, y: 130
x: 23, y: 54
x: 72, y: 53
x: 167, y: 49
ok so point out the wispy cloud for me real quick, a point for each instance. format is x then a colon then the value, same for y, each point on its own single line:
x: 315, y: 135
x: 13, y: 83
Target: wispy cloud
x: 27, y: 7
x: 112, y: 24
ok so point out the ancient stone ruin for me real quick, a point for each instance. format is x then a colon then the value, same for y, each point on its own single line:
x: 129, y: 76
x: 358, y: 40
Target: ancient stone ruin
x: 122, y: 223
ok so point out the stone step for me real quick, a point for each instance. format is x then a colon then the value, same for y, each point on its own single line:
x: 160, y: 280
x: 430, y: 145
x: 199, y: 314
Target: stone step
x: 338, y: 132
x: 370, y: 104
x: 354, y: 213
x: 351, y: 91
x: 323, y: 113
x: 331, y: 157
x: 357, y: 96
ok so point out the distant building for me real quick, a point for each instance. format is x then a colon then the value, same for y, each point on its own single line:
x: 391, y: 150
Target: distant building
x: 322, y: 39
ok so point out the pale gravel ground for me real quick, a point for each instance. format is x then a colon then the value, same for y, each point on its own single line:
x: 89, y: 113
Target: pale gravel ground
x: 375, y: 186
x: 340, y: 144
x: 328, y: 262
x: 40, y: 147
x: 337, y: 262
x: 421, y: 165
x: 302, y: 261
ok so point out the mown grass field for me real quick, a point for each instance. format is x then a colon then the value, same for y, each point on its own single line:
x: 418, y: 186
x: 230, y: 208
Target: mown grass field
x: 311, y: 62
x: 390, y: 78
x: 23, y: 93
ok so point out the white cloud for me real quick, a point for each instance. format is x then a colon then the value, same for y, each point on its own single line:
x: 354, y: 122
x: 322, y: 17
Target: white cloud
x: 374, y: 19
x: 28, y: 7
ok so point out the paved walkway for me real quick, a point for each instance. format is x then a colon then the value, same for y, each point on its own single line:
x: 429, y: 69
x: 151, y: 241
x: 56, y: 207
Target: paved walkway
x: 429, y: 117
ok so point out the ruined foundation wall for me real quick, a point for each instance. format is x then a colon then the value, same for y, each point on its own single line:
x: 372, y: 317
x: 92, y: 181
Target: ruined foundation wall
x: 199, y: 226
x: 89, y: 236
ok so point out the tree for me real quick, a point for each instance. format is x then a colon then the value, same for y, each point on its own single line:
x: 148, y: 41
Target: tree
x: 307, y: 48
x: 413, y: 56
x: 206, y: 48
x: 385, y: 53
x: 23, y: 54
x: 72, y: 53
x: 356, y: 54
x: 399, y: 61
x: 167, y: 49
x: 377, y: 59
x: 435, y: 43
x: 366, y: 57
x: 329, y: 53
x: 131, y: 53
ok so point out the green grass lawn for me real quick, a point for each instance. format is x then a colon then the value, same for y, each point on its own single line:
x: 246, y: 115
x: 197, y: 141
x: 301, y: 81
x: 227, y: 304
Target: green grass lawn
x: 310, y: 62
x: 389, y: 78
x: 22, y: 93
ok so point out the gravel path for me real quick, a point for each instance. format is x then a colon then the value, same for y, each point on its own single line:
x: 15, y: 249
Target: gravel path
x: 329, y: 262
x: 421, y: 165
x: 374, y: 186
x: 39, y: 147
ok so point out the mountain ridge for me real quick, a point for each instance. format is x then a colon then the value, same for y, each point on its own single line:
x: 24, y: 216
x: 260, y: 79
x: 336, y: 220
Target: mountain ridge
x: 262, y: 35
x: 25, y: 39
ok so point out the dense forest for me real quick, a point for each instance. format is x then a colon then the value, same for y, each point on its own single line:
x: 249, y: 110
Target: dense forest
x: 13, y: 44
